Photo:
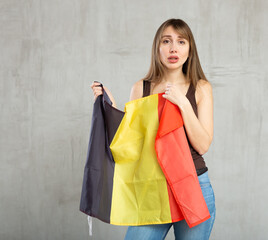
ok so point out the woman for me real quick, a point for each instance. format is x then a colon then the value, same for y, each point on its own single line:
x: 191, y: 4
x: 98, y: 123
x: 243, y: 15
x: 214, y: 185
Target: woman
x: 175, y: 70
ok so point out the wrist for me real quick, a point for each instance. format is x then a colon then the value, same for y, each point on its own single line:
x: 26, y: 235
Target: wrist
x: 184, y: 104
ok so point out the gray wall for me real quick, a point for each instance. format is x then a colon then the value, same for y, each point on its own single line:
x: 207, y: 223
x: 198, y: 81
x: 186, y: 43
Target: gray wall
x: 52, y: 50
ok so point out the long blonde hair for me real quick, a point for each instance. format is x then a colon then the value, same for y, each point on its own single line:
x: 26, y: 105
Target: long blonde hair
x: 191, y: 68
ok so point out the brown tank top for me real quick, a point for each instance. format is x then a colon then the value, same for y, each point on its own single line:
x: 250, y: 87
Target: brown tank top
x: 199, y: 161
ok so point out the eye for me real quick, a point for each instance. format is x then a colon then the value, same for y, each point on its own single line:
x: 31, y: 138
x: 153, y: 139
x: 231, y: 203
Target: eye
x: 181, y: 42
x: 165, y: 41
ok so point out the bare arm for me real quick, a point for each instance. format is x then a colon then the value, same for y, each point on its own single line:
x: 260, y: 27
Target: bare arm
x: 200, y: 130
x: 110, y: 96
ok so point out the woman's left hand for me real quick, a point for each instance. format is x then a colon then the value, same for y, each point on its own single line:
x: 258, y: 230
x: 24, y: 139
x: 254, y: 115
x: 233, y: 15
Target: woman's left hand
x: 175, y: 95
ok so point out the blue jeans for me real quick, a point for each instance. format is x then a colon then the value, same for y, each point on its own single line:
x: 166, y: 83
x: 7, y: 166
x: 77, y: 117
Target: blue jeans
x: 181, y: 229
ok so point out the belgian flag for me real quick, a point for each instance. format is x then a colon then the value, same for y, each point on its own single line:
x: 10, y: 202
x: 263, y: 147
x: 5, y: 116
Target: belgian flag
x: 139, y: 168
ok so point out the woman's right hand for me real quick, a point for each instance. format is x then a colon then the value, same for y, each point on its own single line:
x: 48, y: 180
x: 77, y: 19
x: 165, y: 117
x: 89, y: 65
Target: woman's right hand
x: 97, y: 90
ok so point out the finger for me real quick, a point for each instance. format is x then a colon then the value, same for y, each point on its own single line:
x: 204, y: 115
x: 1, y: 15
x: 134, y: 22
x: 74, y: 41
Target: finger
x: 95, y: 83
x: 98, y: 93
x: 97, y: 87
x: 168, y: 90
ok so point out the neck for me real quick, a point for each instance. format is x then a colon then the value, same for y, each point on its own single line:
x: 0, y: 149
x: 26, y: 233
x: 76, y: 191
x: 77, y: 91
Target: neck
x: 174, y: 77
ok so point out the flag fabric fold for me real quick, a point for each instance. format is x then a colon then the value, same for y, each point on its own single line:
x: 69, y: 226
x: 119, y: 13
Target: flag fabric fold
x: 139, y: 168
x: 176, y: 161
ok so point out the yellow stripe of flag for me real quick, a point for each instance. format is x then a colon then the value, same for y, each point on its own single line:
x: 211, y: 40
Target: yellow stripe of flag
x: 140, y: 187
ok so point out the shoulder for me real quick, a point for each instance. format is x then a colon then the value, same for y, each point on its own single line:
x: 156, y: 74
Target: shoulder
x: 203, y: 90
x: 136, y: 90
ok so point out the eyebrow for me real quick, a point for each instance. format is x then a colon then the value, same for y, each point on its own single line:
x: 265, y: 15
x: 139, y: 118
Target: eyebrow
x: 170, y: 36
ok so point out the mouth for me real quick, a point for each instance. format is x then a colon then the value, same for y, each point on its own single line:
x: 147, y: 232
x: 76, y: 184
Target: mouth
x: 173, y: 59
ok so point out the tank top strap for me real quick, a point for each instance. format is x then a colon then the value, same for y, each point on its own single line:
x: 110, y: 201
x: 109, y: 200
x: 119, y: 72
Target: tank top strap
x: 191, y: 90
x: 146, y: 88
x: 191, y: 97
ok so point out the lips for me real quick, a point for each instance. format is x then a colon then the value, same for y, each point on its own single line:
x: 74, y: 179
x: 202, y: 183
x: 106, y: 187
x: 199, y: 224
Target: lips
x: 173, y: 57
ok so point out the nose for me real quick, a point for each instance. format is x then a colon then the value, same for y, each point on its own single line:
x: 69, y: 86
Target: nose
x: 173, y: 48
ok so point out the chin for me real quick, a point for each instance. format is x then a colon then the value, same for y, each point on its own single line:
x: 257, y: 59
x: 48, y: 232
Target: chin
x: 173, y: 67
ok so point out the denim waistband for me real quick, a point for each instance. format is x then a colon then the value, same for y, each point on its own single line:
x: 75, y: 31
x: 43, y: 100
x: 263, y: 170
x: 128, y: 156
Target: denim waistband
x: 204, y: 178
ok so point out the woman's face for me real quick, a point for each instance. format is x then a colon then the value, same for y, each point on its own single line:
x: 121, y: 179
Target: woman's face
x: 173, y: 49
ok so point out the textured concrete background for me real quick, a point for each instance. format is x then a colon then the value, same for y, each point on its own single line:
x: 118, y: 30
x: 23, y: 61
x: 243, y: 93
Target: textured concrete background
x: 50, y: 53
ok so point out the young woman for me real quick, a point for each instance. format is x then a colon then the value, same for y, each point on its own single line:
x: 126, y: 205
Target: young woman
x: 175, y: 70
